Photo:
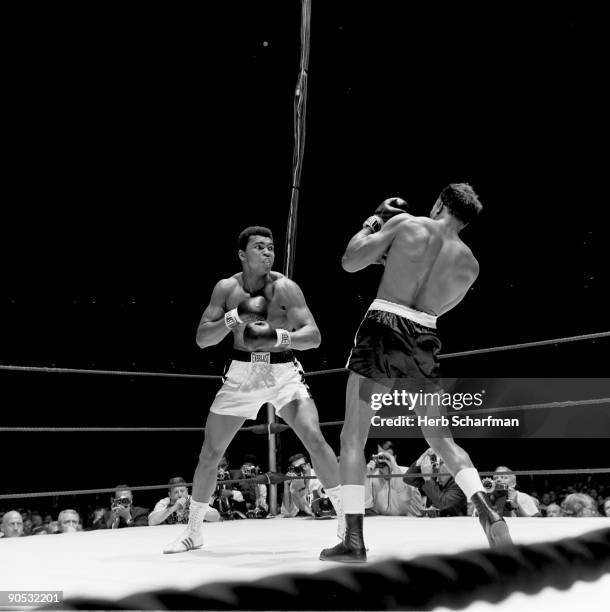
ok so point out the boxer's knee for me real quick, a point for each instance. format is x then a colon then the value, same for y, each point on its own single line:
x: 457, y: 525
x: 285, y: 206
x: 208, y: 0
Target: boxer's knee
x: 352, y: 441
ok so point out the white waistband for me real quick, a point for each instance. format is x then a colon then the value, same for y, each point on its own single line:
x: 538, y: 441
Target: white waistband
x: 422, y: 318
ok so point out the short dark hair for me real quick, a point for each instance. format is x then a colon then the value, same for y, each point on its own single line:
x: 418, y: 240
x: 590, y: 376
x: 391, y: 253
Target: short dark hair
x: 253, y: 459
x: 296, y: 457
x: 254, y: 230
x: 388, y: 445
x: 177, y: 481
x: 461, y: 201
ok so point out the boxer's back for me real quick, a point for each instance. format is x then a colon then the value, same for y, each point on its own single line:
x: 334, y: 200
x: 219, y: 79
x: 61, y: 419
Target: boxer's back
x: 427, y: 268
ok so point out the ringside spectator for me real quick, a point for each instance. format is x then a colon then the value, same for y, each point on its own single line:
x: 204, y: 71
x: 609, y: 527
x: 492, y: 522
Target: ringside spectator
x: 68, y: 521
x: 386, y: 494
x: 442, y: 492
x: 122, y: 512
x: 12, y: 524
x: 174, y: 508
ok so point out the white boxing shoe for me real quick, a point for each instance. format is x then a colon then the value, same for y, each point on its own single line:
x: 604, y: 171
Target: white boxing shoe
x: 184, y: 542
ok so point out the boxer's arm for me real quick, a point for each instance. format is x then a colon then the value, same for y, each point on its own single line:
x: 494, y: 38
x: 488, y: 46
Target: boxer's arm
x: 212, y: 328
x: 366, y: 247
x: 306, y: 334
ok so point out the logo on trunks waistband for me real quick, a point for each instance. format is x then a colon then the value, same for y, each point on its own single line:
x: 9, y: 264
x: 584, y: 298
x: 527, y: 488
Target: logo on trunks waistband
x: 260, y: 358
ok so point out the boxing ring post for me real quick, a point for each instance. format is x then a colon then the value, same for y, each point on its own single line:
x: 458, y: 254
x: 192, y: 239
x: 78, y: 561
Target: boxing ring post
x: 272, y: 459
x: 299, y: 114
x: 300, y: 106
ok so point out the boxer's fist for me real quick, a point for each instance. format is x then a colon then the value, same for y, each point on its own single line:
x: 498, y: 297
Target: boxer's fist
x: 252, y: 309
x: 386, y: 210
x: 391, y: 207
x: 259, y: 335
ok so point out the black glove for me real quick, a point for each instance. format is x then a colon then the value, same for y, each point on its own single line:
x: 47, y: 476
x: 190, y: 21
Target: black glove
x: 248, y: 310
x: 386, y: 210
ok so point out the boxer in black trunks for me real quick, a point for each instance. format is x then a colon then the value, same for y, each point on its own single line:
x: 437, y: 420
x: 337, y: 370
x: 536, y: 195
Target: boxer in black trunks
x: 428, y: 271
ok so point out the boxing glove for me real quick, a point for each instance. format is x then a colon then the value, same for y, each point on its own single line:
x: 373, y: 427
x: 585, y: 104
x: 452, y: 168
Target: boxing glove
x: 386, y: 210
x: 260, y: 335
x: 249, y: 310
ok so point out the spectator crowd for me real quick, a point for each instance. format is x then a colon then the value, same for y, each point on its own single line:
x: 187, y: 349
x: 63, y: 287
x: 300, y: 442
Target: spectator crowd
x: 423, y: 488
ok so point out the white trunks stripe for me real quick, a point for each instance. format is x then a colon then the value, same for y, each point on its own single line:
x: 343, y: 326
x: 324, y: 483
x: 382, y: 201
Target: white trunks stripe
x: 423, y: 318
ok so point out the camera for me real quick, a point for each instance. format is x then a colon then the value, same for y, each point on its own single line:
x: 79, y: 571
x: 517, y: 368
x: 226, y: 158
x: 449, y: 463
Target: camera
x: 493, y: 486
x: 488, y: 484
x: 497, y: 494
x: 256, y: 513
x: 223, y: 474
x: 297, y: 470
x: 322, y: 508
x: 249, y: 470
x: 119, y: 502
x: 380, y: 460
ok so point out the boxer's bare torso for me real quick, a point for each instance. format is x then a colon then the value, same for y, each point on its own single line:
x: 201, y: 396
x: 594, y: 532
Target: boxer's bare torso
x: 427, y: 268
x: 275, y: 288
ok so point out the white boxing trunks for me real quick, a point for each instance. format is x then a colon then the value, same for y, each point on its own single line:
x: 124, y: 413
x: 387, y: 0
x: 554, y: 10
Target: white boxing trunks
x: 254, y: 379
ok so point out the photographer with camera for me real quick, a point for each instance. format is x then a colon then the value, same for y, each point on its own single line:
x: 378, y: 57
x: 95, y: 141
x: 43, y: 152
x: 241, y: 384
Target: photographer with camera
x: 122, y: 512
x: 254, y: 495
x: 444, y: 496
x: 174, y: 508
x: 227, y: 499
x: 389, y: 496
x: 503, y: 495
x: 306, y: 495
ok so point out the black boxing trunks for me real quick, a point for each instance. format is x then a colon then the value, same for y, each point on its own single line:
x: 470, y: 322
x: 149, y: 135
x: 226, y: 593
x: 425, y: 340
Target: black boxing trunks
x: 394, y: 341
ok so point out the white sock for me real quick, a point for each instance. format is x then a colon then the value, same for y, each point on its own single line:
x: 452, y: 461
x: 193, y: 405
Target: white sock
x: 469, y: 481
x: 352, y: 499
x: 197, y: 511
x: 335, y: 497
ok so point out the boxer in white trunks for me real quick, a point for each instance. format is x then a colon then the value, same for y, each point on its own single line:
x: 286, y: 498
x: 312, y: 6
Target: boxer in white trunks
x: 268, y: 316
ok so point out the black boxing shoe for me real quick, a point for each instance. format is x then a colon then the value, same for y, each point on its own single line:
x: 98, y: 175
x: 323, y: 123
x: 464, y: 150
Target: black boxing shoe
x: 493, y: 524
x: 352, y: 549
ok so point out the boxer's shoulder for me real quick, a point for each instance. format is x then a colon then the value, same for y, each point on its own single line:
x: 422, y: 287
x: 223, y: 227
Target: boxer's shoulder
x: 277, y: 277
x: 278, y: 284
x: 422, y: 225
x: 229, y: 285
x: 416, y: 228
x: 228, y: 291
x: 284, y: 288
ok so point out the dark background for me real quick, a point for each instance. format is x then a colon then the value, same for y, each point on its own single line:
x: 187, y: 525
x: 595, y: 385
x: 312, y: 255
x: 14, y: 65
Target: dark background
x: 140, y: 141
